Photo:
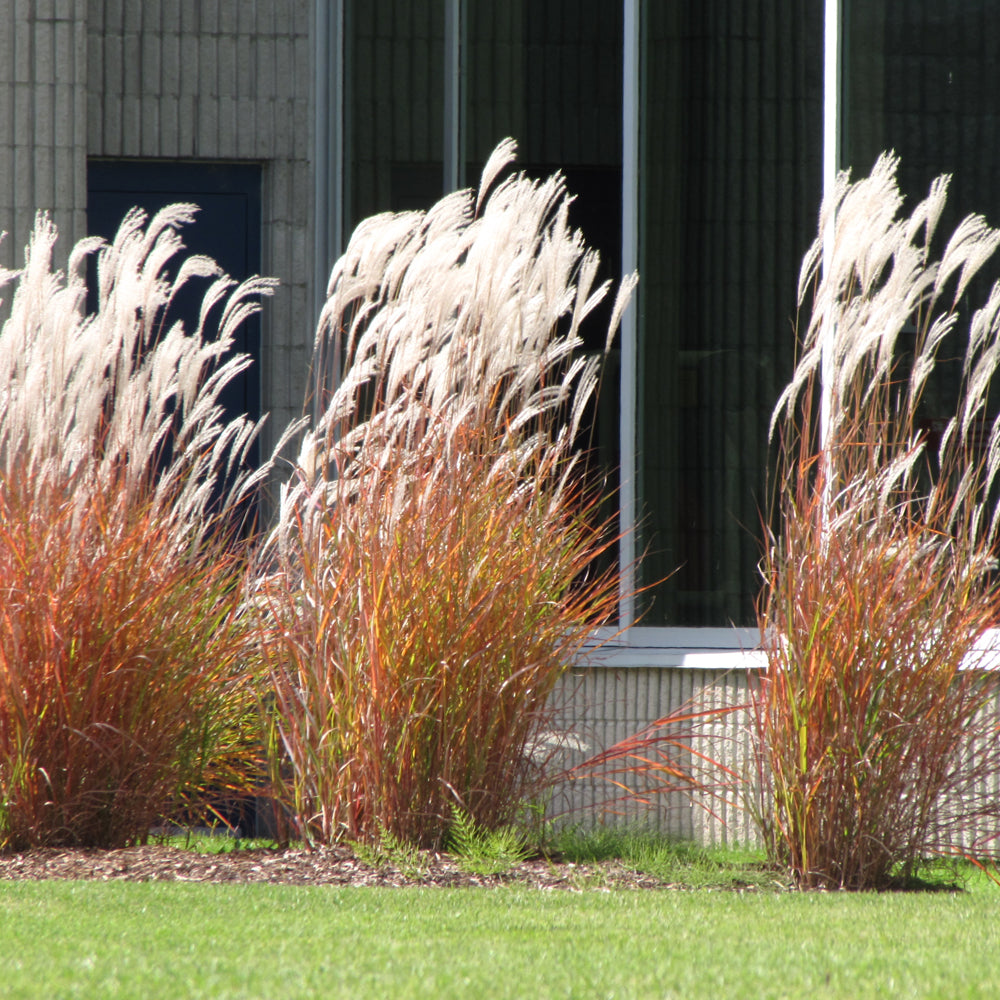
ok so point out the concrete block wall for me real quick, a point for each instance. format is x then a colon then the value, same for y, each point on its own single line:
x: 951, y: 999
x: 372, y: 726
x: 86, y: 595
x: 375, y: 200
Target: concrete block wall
x: 599, y: 706
x: 221, y: 80
x: 43, y: 136
x: 596, y: 707
x: 194, y: 80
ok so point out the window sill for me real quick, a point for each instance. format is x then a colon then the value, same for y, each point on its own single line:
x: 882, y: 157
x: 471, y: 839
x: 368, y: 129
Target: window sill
x: 684, y: 648
x: 716, y: 649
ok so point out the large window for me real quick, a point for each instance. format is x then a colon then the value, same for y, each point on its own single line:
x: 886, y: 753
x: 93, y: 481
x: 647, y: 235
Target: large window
x: 546, y: 72
x: 918, y: 79
x: 549, y: 74
x: 394, y: 105
x: 730, y: 121
x: 692, y: 135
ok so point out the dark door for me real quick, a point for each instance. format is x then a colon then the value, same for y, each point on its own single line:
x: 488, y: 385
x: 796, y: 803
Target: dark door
x: 227, y: 228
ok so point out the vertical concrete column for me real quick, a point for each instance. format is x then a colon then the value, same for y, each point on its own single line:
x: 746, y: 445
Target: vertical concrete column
x: 43, y: 109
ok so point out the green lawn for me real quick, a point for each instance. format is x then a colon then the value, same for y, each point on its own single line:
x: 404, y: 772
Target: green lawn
x: 90, y: 939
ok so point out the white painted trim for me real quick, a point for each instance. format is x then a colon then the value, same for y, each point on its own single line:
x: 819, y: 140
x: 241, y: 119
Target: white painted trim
x: 328, y: 166
x: 697, y: 638
x: 685, y: 651
x: 339, y: 152
x: 627, y: 518
x: 831, y: 93
x: 831, y: 163
x: 328, y: 179
x: 687, y: 648
x: 452, y: 138
x: 687, y: 638
x: 668, y: 657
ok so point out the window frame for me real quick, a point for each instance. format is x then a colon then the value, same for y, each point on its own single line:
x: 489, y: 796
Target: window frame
x: 629, y: 644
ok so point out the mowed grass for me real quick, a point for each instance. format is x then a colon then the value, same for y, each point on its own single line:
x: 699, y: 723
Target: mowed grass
x: 89, y: 939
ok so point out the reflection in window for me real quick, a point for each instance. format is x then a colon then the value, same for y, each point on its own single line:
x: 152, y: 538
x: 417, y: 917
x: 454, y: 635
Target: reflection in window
x: 918, y: 79
x: 730, y: 180
x: 549, y: 74
x: 395, y: 106
x: 731, y: 124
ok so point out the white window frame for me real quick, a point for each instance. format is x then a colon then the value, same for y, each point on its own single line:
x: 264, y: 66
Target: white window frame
x: 632, y: 644
x: 629, y: 645
x: 329, y: 161
x: 637, y: 646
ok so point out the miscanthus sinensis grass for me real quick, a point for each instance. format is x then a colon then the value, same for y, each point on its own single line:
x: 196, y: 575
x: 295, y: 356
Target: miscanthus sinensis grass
x: 120, y: 651
x: 433, y: 569
x: 876, y: 746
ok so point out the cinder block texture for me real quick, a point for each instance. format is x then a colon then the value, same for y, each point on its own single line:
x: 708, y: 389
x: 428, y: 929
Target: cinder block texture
x: 595, y: 708
x: 43, y: 138
x: 225, y: 80
x: 191, y: 81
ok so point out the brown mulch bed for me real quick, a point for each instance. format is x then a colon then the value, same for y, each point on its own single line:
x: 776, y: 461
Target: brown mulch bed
x: 328, y: 866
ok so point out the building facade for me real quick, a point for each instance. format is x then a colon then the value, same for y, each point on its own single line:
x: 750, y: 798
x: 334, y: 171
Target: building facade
x: 696, y: 136
x: 108, y: 104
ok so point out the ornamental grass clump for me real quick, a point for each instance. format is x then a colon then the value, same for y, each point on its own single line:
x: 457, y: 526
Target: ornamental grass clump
x: 875, y: 735
x: 434, y: 568
x: 122, y: 655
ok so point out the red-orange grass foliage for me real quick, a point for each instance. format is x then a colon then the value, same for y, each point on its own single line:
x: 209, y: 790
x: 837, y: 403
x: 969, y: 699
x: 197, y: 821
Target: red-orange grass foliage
x: 876, y: 727
x: 415, y: 641
x: 121, y: 667
x: 878, y: 750
x: 664, y: 765
x: 122, y: 658
x: 433, y: 568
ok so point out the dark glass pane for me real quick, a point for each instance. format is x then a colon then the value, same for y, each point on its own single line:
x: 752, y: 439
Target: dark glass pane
x: 730, y: 185
x: 395, y: 106
x: 549, y: 74
x: 227, y: 228
x: 919, y: 80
